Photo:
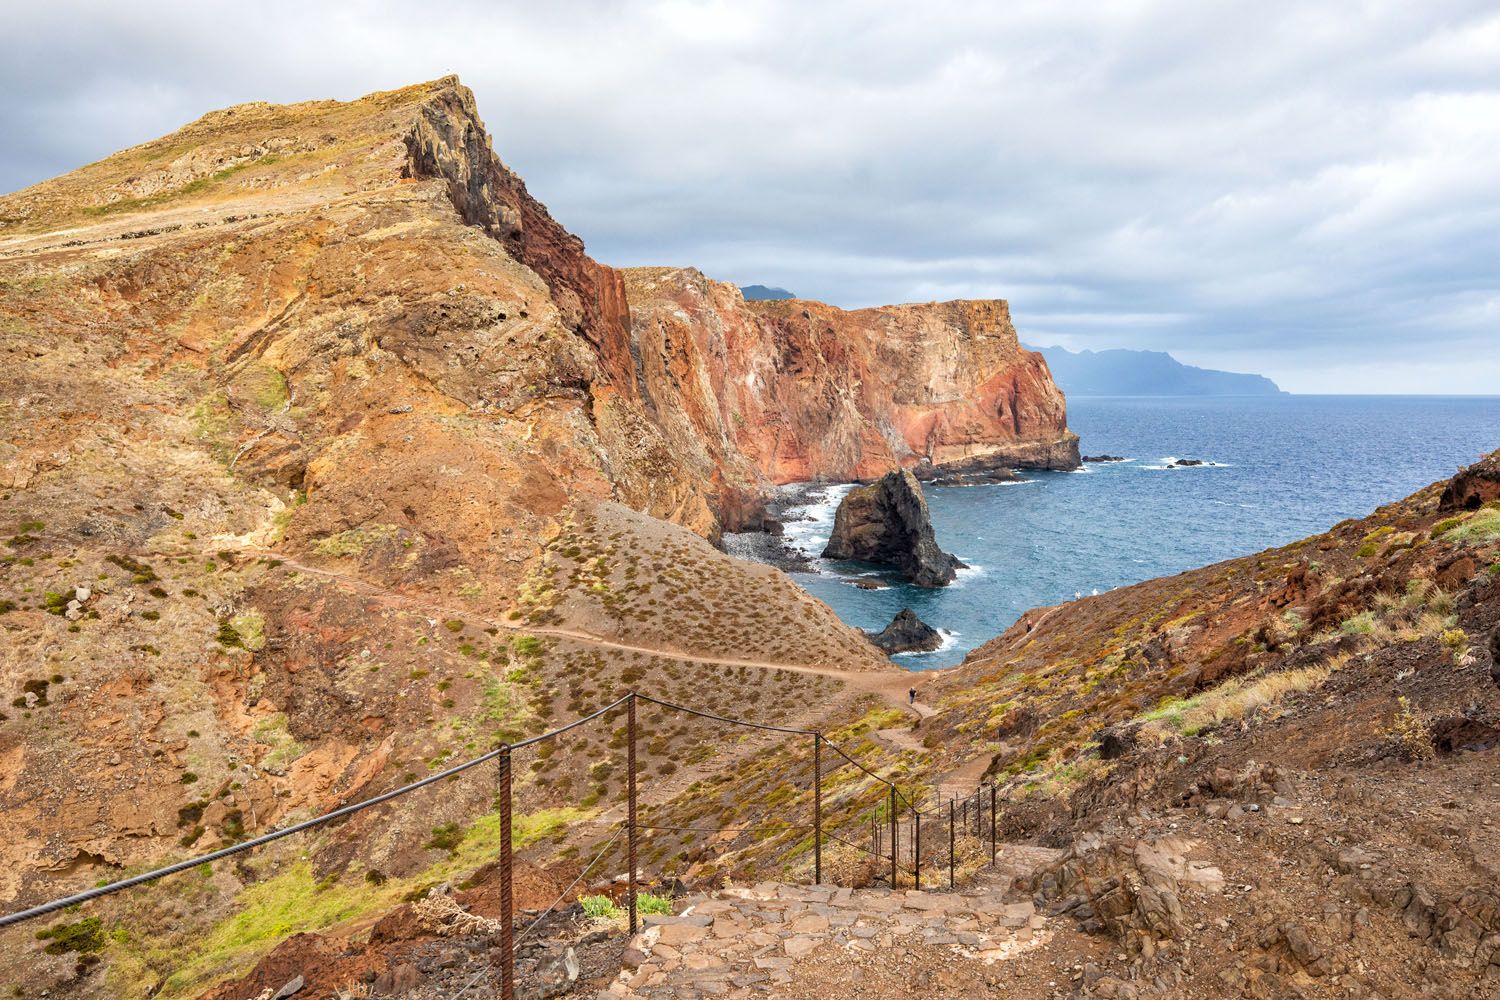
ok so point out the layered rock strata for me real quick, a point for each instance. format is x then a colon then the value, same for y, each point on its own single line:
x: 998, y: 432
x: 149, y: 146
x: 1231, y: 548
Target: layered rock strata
x: 759, y: 393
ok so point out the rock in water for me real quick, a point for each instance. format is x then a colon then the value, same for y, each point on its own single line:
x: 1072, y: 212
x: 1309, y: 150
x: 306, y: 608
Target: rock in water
x: 887, y: 522
x: 907, y: 634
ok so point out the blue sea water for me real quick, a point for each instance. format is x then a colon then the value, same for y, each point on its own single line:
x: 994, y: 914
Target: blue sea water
x: 1284, y: 468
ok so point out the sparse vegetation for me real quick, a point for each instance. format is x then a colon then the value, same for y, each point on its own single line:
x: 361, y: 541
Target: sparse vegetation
x: 599, y: 907
x: 1411, y: 733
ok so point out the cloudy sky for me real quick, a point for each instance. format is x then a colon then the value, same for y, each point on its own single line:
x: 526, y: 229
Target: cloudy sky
x: 1309, y: 189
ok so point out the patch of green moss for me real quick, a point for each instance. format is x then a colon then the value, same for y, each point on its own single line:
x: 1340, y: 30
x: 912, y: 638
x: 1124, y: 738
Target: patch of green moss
x: 352, y: 544
x: 87, y: 935
x: 250, y: 626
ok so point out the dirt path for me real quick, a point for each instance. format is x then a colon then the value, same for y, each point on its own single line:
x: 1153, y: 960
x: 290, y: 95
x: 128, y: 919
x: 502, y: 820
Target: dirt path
x: 892, y: 686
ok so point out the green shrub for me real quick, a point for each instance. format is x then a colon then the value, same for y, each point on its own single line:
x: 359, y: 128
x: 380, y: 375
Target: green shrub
x: 647, y: 902
x: 1483, y: 526
x: 599, y: 907
x: 87, y: 935
x: 1446, y: 525
x: 228, y: 636
x: 446, y: 838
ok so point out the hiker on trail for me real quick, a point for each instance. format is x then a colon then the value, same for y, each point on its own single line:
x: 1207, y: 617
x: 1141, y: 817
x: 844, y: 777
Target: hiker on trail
x: 911, y: 696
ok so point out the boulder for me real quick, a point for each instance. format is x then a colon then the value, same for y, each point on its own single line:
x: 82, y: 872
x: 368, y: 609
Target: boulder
x: 888, y: 522
x: 907, y: 634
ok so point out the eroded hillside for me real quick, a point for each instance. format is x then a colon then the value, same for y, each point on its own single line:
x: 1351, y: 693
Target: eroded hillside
x: 327, y: 461
x: 1312, y: 729
x: 1271, y: 777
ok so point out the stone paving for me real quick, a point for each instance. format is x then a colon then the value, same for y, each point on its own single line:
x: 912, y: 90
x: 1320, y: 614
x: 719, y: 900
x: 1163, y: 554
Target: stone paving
x: 747, y: 942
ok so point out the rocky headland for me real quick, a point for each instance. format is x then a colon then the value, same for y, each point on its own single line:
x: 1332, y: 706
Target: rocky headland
x: 757, y: 393
x: 888, y: 522
x: 330, y: 459
x: 328, y: 454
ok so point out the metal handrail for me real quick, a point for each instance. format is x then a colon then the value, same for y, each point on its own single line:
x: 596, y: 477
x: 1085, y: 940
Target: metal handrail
x: 503, y: 755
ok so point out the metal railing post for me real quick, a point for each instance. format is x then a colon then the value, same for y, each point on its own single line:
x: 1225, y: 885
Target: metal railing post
x: 817, y: 809
x: 507, y: 910
x: 994, y: 841
x: 916, y: 866
x: 893, y: 836
x: 630, y: 807
x: 952, y: 817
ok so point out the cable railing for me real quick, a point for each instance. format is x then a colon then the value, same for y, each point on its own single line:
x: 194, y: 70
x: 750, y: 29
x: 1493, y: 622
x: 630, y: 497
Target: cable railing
x: 890, y: 817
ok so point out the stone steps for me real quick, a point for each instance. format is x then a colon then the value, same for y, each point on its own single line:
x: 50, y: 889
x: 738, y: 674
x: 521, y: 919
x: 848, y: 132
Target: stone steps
x: 744, y: 942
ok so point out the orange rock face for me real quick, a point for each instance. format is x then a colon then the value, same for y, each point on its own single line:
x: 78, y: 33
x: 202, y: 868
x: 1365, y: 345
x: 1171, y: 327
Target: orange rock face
x: 789, y: 391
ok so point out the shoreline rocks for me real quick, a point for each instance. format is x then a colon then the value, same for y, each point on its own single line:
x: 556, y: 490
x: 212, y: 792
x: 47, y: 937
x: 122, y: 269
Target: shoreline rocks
x: 1102, y: 458
x: 907, y: 634
x: 888, y: 522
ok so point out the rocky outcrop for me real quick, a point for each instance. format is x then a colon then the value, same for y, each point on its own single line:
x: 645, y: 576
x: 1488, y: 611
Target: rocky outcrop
x: 758, y: 393
x: 888, y: 522
x: 1129, y: 889
x: 449, y: 140
x: 907, y: 634
x: 1473, y: 486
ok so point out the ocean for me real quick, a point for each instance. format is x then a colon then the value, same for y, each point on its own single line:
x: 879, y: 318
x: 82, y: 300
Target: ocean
x: 1277, y: 469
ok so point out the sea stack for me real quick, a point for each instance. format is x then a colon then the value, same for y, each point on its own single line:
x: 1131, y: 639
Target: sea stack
x: 907, y: 634
x: 888, y: 522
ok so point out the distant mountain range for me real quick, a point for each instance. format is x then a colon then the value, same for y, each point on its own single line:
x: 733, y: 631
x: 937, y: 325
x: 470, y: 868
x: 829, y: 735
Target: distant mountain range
x: 764, y: 293
x: 1145, y: 373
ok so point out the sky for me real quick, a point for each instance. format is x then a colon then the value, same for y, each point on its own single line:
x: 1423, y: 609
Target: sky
x: 1308, y: 190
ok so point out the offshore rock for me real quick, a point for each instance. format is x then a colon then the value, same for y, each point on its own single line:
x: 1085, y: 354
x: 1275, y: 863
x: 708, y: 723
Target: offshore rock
x: 907, y: 634
x: 888, y: 522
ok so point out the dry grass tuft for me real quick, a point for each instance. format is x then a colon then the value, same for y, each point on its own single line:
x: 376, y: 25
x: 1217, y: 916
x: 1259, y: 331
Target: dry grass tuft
x: 1411, y: 733
x: 1232, y: 701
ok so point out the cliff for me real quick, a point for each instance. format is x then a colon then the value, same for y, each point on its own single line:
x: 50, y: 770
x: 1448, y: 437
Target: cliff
x: 327, y: 456
x: 312, y: 425
x: 787, y: 391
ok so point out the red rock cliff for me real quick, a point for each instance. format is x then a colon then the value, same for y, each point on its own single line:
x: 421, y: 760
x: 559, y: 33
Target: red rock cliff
x: 777, y: 392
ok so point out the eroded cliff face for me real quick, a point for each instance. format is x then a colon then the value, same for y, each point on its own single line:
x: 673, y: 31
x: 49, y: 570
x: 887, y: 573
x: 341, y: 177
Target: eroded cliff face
x: 788, y: 391
x: 311, y: 420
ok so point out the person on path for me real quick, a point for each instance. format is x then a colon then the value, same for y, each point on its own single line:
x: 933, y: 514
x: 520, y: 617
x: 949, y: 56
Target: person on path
x: 911, y: 697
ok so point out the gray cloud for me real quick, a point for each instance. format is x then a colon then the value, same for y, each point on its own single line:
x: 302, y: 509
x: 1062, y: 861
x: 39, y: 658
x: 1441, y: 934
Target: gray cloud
x: 1311, y: 190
